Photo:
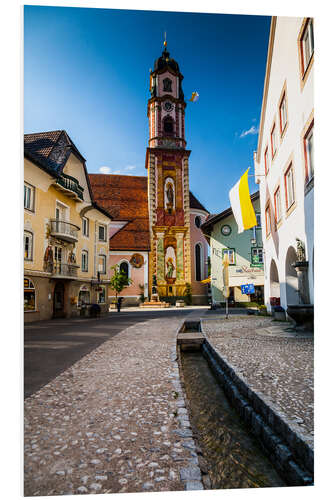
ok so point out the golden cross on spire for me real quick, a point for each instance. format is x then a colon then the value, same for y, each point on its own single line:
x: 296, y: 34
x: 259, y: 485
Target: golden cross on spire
x: 165, y: 40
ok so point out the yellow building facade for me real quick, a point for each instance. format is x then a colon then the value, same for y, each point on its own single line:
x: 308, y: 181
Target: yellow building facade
x: 65, y: 232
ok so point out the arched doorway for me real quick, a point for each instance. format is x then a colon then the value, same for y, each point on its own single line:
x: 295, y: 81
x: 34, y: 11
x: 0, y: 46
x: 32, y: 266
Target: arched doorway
x: 292, y: 295
x: 274, y: 284
x: 58, y: 300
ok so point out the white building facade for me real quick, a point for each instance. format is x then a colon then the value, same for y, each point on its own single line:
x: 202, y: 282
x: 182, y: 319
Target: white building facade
x: 284, y: 165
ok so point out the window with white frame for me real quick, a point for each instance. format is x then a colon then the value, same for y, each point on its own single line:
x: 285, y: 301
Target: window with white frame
x: 101, y: 232
x: 283, y: 113
x: 308, y: 154
x: 289, y: 186
x: 307, y: 45
x: 277, y: 205
x: 273, y: 140
x: 84, y: 261
x: 85, y: 226
x: 268, y: 220
x: 28, y: 242
x: 102, y: 264
x: 230, y: 252
x: 257, y: 256
x: 29, y: 295
x: 29, y: 197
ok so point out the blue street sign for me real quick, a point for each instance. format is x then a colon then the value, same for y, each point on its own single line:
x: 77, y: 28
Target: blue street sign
x: 247, y: 289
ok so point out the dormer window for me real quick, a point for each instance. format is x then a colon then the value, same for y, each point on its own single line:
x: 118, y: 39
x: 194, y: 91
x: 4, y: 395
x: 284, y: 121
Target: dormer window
x: 167, y: 85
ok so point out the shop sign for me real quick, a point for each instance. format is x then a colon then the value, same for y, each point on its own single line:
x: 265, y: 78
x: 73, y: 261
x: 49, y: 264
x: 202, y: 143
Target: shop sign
x: 247, y: 289
x: 245, y: 269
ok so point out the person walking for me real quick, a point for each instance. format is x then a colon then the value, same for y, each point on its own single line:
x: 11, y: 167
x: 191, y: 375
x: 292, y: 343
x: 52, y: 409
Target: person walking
x: 119, y: 300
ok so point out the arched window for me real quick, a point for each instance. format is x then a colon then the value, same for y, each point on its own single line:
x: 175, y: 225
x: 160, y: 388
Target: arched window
x: 198, y: 262
x: 197, y: 221
x: 124, y: 268
x: 29, y: 295
x: 168, y: 125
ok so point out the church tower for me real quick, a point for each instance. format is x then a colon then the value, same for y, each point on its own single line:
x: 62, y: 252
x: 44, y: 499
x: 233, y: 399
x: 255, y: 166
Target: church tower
x: 168, y: 181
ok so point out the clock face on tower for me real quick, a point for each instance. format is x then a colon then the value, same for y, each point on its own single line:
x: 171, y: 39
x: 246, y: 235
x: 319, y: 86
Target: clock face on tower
x: 168, y: 106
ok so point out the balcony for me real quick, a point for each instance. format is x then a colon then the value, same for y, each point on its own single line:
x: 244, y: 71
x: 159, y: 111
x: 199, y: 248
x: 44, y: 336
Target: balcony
x: 61, y: 270
x: 70, y: 186
x: 64, y: 230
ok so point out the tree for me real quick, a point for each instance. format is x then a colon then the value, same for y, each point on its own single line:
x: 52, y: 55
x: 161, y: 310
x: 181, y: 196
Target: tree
x: 119, y: 280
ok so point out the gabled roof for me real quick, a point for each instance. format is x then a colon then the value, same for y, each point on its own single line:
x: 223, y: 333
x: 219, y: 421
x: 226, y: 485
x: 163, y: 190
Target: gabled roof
x: 207, y: 226
x: 50, y: 150
x: 195, y: 203
x: 125, y: 197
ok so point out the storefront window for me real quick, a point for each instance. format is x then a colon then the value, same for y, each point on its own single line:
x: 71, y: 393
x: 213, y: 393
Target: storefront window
x: 84, y: 298
x: 29, y: 295
x: 101, y: 295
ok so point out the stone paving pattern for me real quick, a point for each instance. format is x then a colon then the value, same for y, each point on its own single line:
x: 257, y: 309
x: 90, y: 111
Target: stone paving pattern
x: 114, y: 422
x: 273, y: 361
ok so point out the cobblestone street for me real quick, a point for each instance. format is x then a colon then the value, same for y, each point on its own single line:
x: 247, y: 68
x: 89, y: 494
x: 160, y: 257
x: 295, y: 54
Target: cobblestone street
x: 273, y: 361
x: 110, y: 422
x: 116, y: 421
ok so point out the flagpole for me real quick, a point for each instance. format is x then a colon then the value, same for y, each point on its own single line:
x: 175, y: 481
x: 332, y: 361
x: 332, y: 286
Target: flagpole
x: 226, y: 308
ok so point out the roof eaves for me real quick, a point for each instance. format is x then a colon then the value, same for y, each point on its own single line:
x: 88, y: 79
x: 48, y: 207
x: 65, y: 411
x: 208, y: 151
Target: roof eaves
x: 222, y: 215
x: 266, y: 83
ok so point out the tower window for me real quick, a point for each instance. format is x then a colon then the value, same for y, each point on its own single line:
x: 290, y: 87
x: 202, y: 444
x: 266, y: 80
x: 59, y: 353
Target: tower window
x: 167, y: 85
x: 168, y: 126
x: 197, y: 221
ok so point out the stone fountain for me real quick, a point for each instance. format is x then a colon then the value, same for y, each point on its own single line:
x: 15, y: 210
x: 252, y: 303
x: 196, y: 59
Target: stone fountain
x: 303, y: 313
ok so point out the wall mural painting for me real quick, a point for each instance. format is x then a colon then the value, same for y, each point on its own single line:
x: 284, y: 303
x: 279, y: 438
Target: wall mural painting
x: 170, y: 265
x: 169, y: 194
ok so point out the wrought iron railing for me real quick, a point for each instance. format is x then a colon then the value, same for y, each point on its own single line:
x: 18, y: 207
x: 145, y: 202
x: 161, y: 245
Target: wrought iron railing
x: 66, y: 270
x: 69, y: 182
x: 64, y: 228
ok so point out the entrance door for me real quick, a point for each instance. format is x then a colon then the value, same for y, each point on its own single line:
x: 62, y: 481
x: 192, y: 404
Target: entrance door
x: 58, y: 301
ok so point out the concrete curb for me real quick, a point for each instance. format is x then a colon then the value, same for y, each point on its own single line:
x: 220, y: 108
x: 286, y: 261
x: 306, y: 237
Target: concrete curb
x: 287, y: 449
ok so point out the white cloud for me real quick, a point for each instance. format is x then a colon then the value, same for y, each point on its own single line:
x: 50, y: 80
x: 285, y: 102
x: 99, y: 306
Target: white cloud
x: 252, y: 131
x: 121, y: 171
x: 105, y: 170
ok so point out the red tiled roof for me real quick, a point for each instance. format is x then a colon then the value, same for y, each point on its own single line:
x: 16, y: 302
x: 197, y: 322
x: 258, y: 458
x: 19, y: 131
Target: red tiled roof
x: 125, y: 197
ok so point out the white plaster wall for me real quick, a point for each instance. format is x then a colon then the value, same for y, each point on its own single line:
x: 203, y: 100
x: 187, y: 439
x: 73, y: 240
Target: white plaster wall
x: 285, y: 68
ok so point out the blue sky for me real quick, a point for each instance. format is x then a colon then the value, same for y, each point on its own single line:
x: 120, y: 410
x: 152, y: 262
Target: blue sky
x: 87, y: 71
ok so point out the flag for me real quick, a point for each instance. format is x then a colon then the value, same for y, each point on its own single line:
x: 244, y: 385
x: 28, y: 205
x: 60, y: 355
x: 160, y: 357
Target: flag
x: 225, y: 264
x: 241, y: 204
x: 195, y: 97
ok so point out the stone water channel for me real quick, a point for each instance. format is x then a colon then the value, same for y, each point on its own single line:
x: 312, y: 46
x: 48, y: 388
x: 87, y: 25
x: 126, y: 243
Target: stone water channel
x: 231, y: 456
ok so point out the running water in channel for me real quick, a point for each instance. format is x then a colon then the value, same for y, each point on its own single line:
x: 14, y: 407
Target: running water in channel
x: 233, y: 456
